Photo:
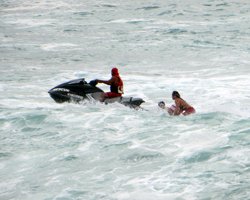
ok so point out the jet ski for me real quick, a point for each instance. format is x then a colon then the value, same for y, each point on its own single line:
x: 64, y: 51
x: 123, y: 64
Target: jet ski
x: 79, y: 90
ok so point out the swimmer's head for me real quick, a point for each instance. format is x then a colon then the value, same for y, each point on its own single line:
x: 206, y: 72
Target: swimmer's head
x: 175, y: 95
x: 161, y: 104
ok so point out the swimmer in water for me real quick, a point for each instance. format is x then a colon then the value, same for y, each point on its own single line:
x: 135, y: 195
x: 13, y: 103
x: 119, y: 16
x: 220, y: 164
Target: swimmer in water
x: 170, y: 109
x: 182, y: 107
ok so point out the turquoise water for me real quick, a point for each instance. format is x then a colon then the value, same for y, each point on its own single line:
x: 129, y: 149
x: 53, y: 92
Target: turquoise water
x: 91, y: 151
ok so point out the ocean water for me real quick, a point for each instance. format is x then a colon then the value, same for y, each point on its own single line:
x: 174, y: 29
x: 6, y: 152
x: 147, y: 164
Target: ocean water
x: 92, y: 151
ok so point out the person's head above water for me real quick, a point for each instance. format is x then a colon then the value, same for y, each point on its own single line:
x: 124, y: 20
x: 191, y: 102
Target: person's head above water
x: 175, y: 94
x: 161, y: 104
x: 114, y: 72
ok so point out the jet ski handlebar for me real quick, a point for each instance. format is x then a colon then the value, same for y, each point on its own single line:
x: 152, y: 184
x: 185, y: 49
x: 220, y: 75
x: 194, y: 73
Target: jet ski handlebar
x: 93, y: 82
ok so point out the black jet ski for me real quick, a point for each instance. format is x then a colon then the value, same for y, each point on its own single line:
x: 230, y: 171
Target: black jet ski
x: 79, y: 90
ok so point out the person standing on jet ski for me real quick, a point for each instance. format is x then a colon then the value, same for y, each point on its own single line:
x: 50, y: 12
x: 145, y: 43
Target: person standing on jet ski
x: 116, y: 84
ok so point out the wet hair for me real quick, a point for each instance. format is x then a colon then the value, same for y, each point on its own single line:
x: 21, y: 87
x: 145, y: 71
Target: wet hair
x: 161, y: 103
x: 175, y: 93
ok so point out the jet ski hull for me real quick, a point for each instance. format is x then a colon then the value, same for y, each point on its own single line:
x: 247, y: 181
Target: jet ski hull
x: 79, y: 90
x: 62, y: 97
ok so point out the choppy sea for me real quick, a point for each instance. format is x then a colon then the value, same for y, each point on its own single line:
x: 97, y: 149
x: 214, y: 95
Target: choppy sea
x: 92, y: 151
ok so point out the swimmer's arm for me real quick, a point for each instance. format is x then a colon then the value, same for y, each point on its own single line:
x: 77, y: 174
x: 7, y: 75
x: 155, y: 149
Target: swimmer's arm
x: 177, y: 110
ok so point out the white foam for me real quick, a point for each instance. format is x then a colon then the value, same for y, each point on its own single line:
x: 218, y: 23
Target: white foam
x: 59, y: 46
x: 38, y: 5
x: 198, y: 140
x: 129, y: 20
x: 29, y: 23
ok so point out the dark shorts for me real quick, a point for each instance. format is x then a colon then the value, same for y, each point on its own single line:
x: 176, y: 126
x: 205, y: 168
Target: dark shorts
x: 112, y: 95
x: 189, y: 111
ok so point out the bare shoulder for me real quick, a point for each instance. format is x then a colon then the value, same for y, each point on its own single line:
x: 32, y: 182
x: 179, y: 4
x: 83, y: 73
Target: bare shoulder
x: 181, y: 102
x: 178, y: 101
